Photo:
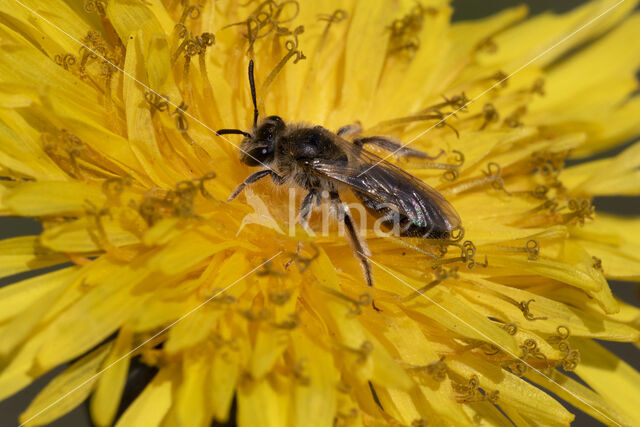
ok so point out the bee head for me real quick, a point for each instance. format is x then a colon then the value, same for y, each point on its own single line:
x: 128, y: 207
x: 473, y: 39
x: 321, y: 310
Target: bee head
x: 259, y: 148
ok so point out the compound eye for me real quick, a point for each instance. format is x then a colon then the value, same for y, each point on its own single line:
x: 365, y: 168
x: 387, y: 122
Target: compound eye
x: 276, y: 120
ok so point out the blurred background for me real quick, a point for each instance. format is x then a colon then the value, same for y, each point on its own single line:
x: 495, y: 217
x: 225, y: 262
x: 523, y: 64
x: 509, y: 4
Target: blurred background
x: 464, y: 10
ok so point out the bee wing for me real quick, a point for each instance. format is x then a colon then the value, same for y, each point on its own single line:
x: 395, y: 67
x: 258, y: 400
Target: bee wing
x: 386, y: 183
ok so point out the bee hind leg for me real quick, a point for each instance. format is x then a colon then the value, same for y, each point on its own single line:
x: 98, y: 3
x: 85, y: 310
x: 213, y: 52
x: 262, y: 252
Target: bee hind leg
x: 396, y: 148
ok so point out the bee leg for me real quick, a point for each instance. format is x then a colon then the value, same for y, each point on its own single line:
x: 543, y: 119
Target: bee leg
x: 306, y: 207
x: 396, y: 148
x: 253, y: 178
x: 352, y: 129
x: 358, y: 244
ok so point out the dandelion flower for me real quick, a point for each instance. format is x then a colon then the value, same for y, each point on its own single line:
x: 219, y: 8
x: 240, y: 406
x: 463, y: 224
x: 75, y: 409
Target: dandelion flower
x: 106, y: 128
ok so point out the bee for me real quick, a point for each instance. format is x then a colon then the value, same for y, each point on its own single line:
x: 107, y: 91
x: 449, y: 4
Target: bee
x: 323, y: 162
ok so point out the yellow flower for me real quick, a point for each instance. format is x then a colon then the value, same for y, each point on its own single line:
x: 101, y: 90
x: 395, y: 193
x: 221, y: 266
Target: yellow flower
x: 107, y: 118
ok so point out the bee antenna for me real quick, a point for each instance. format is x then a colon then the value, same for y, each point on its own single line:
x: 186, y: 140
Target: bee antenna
x: 252, y: 84
x: 233, y: 132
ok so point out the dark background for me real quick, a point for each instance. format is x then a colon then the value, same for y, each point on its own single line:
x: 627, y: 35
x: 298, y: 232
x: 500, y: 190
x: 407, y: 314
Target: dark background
x: 464, y: 9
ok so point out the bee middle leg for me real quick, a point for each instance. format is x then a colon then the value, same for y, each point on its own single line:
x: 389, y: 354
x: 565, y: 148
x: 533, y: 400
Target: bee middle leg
x: 277, y: 179
x: 357, y: 243
x: 394, y: 147
x: 306, y: 206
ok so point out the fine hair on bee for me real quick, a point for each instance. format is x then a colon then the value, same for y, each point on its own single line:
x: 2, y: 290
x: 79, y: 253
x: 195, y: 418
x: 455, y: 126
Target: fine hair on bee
x: 324, y: 163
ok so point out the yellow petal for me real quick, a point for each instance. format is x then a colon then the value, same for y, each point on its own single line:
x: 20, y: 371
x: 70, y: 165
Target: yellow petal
x: 153, y: 403
x: 261, y: 404
x: 190, y: 405
x: 83, y: 235
x: 110, y: 384
x: 550, y: 312
x: 24, y: 253
x: 192, y: 329
x: 222, y: 381
x: 53, y: 198
x: 96, y: 315
x: 21, y: 149
x: 610, y: 377
x: 315, y: 393
x: 67, y: 390
x: 531, y: 402
x: 19, y: 296
x: 429, y: 399
x: 579, y: 396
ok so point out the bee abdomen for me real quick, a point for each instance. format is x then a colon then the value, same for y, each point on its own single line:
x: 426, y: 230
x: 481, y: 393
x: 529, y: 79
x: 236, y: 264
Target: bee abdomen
x: 394, y: 221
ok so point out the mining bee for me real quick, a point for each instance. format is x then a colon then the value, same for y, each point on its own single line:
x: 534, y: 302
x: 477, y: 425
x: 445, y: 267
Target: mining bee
x: 322, y: 162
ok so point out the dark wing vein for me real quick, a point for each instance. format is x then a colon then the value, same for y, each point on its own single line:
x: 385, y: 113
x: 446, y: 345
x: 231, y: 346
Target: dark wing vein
x: 386, y: 183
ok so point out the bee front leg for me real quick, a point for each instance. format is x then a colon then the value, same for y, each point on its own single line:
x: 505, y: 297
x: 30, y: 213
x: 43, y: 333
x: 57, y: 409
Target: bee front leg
x: 253, y: 178
x: 394, y: 147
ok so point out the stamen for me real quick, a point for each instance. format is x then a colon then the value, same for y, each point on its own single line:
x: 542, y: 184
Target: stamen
x: 192, y: 12
x: 533, y: 248
x: 266, y: 15
x: 222, y: 297
x: 487, y: 44
x: 441, y: 274
x: 202, y: 180
x: 404, y: 31
x: 524, y: 307
x: 538, y: 87
x: 457, y: 102
x: 291, y: 324
x: 452, y: 170
x: 96, y: 6
x: 292, y: 48
x: 299, y: 372
x: 468, y: 252
x: 251, y: 316
x: 180, y: 120
x: 364, y: 299
x: 337, y: 16
x: 301, y: 262
x: 66, y: 61
x: 113, y: 187
x: 580, y: 211
x: 597, y: 263
x: 471, y: 392
x: 437, y: 370
x: 435, y: 115
x: 513, y: 121
x: 363, y: 351
x: 571, y: 358
x: 267, y: 270
x: 490, y: 115
x: 280, y: 298
x: 511, y: 328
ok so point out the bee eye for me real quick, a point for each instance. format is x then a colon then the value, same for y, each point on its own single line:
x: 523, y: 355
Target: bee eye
x: 264, y: 151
